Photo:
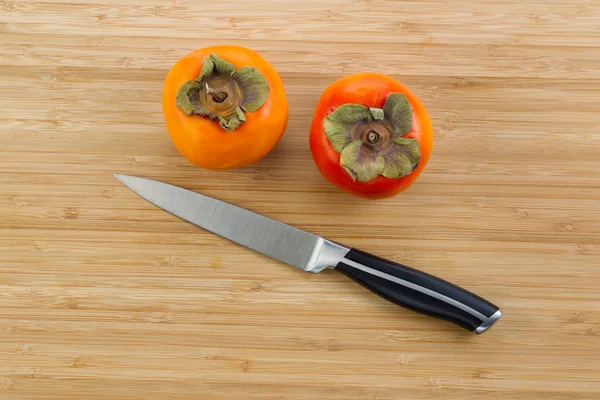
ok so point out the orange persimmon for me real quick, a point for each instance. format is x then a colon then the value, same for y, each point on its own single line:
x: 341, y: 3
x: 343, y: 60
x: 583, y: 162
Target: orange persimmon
x: 224, y: 107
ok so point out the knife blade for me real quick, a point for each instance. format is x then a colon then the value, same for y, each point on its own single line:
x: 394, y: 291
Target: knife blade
x: 402, y: 285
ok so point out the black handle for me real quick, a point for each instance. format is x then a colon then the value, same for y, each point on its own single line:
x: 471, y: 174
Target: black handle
x: 419, y: 291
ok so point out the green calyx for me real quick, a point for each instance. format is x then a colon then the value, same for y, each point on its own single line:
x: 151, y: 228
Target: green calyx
x: 370, y: 140
x: 223, y: 93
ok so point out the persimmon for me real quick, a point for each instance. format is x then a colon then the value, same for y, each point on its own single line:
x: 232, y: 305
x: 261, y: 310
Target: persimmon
x: 370, y: 135
x: 224, y: 107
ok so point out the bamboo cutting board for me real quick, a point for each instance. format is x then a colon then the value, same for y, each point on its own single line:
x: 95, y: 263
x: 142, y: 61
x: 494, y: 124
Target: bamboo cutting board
x: 103, y: 296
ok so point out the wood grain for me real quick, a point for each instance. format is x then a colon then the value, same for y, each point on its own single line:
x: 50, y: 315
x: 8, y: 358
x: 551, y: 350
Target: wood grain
x: 104, y: 296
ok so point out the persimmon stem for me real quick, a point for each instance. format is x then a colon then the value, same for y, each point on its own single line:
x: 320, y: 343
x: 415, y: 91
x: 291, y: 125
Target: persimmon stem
x: 371, y: 141
x: 372, y: 137
x: 217, y: 96
x: 223, y: 93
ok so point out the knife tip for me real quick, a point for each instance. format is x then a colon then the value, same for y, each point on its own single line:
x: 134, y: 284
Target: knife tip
x: 121, y: 177
x: 129, y: 180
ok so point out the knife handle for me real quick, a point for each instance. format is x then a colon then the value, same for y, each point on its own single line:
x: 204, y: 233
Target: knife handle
x: 419, y: 291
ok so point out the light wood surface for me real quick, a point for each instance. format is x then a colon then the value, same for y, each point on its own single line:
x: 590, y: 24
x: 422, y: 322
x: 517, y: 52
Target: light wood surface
x: 103, y: 296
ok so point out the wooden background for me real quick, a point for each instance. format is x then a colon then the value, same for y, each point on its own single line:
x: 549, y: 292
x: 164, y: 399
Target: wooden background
x: 103, y: 296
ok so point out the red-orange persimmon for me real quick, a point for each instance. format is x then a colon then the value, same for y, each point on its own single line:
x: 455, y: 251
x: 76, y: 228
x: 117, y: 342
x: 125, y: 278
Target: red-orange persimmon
x: 377, y: 142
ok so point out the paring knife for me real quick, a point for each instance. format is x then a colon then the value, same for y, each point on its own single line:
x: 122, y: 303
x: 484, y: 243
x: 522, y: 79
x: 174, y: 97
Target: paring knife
x: 397, y: 283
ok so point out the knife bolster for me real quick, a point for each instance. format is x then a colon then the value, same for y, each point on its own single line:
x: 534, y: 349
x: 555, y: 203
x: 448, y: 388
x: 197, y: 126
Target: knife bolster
x: 325, y: 254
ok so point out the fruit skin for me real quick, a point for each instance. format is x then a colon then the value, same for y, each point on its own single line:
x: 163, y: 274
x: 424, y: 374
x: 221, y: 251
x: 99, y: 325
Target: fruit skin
x: 201, y: 140
x: 371, y: 90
